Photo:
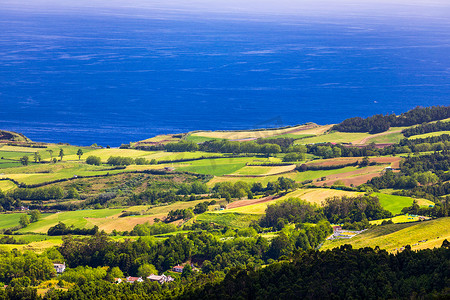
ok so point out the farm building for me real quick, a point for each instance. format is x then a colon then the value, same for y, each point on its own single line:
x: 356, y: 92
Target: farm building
x: 178, y: 269
x: 59, y: 268
x: 161, y: 279
x: 134, y: 279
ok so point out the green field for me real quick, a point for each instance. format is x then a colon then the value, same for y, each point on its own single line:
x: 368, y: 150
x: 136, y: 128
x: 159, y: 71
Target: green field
x: 394, y: 236
x: 199, y: 139
x: 335, y: 137
x: 297, y: 176
x: 217, y: 167
x: 105, y: 219
x: 9, y: 220
x: 394, y: 203
x: 236, y: 220
x: 425, y: 135
x: 6, y: 185
x: 397, y: 219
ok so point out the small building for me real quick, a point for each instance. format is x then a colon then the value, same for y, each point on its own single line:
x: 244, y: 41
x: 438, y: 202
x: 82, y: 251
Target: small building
x: 337, y: 228
x: 161, y: 279
x: 134, y: 279
x: 24, y: 208
x: 169, y: 168
x: 178, y: 269
x: 59, y: 268
x: 117, y: 280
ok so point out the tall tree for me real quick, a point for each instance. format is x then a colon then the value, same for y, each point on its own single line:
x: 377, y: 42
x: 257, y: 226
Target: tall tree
x: 24, y: 160
x: 79, y: 153
x: 37, y: 157
x: 50, y: 151
x: 61, y: 153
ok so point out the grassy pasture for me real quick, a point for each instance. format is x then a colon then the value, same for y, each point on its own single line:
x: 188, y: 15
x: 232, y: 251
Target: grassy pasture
x: 397, y: 219
x: 236, y: 220
x: 9, y: 220
x: 199, y: 139
x: 394, y: 203
x: 262, y: 170
x: 6, y: 185
x: 105, y: 219
x: 297, y: 176
x: 234, y: 135
x: 425, y: 135
x: 335, y: 137
x: 217, y: 167
x: 394, y: 236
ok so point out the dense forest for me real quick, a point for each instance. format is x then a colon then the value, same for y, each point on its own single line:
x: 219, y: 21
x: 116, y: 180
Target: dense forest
x: 342, y: 273
x: 381, y: 123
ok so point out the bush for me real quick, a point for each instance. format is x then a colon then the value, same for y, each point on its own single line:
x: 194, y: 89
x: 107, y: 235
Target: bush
x: 94, y: 160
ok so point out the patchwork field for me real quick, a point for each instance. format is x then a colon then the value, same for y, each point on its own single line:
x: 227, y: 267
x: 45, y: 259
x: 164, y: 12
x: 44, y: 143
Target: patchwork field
x: 6, y: 185
x: 394, y: 236
x: 263, y: 171
x: 232, y: 219
x: 105, y: 219
x: 425, y: 135
x: 242, y: 135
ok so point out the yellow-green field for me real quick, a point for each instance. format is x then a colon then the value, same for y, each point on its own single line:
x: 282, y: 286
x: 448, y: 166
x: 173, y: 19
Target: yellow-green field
x: 262, y: 170
x: 105, y: 219
x: 336, y: 137
x: 395, y: 236
x: 297, y: 176
x: 397, y: 219
x: 231, y: 219
x: 6, y: 185
x: 237, y: 135
x: 425, y: 135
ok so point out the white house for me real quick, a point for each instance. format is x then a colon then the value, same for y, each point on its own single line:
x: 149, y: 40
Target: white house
x: 178, y: 269
x: 160, y: 278
x: 59, y: 268
x: 134, y: 279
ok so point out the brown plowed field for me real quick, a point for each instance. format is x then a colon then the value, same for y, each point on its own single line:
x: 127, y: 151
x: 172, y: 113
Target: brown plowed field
x: 356, y: 177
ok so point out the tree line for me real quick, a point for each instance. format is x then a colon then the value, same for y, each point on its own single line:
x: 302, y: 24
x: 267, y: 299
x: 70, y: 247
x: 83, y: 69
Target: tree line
x: 380, y: 123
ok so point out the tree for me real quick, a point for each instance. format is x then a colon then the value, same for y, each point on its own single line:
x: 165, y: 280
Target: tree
x: 61, y: 153
x: 24, y: 220
x: 94, y: 160
x: 35, y: 215
x: 50, y: 151
x: 79, y: 153
x: 146, y: 270
x: 24, y: 160
x: 187, y: 271
x: 37, y: 157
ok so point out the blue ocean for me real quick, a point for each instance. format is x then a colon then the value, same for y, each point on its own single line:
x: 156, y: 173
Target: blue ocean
x: 111, y: 77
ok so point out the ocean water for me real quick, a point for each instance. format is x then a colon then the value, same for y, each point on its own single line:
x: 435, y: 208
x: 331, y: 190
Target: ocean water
x: 109, y: 78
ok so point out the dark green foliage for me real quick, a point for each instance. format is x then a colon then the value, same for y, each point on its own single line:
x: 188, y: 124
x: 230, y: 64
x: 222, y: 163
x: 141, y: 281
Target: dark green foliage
x: 426, y: 128
x: 157, y: 228
x: 342, y: 273
x: 354, y: 209
x: 292, y: 210
x: 62, y: 229
x: 182, y: 146
x: 93, y: 160
x: 380, y: 123
x: 120, y: 161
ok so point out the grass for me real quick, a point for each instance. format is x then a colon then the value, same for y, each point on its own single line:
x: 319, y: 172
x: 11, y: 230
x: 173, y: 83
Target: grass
x: 394, y: 203
x: 425, y: 135
x: 318, y: 196
x: 233, y: 135
x: 7, y: 185
x: 293, y: 136
x: 262, y: 170
x: 217, y: 167
x: 9, y: 220
x: 395, y: 236
x: 297, y: 176
x: 105, y: 219
x: 199, y: 139
x: 236, y: 220
x: 397, y: 219
x: 335, y: 137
